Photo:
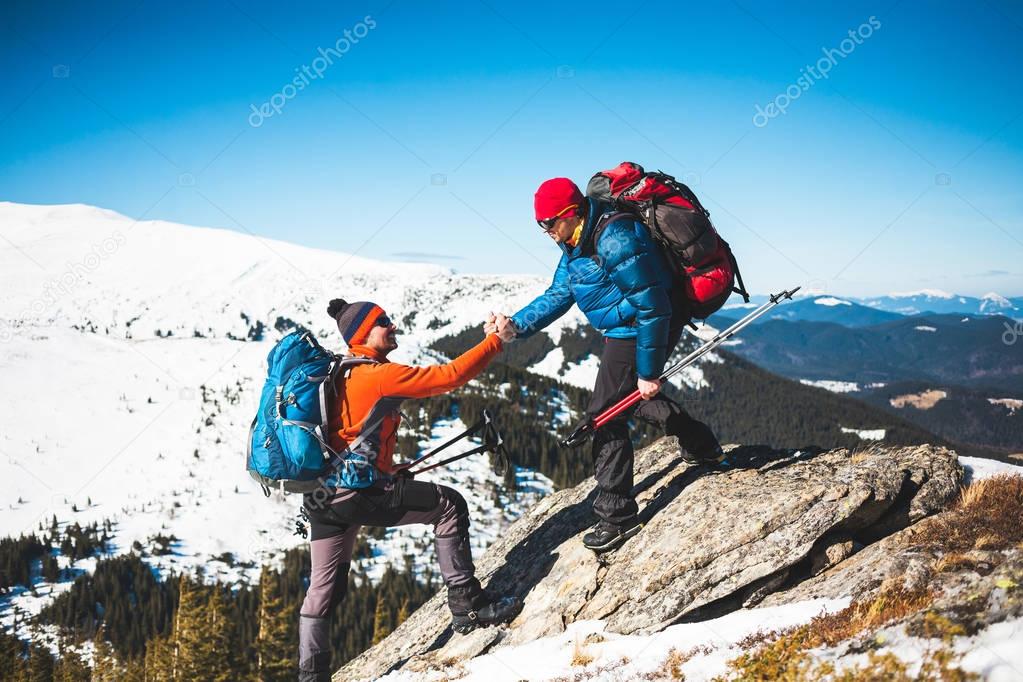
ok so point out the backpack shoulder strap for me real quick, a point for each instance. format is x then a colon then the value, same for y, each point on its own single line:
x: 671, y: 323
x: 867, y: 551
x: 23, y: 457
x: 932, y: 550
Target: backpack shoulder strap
x: 602, y: 223
x: 349, y: 361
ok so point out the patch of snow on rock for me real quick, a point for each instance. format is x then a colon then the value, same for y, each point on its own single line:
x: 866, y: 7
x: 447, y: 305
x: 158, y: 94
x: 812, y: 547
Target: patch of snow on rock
x: 976, y: 468
x: 833, y: 386
x: 866, y: 434
x: 1011, y: 404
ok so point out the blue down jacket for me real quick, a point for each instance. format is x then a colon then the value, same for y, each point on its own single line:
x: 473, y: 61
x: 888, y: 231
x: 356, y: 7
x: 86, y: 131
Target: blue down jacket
x: 624, y: 289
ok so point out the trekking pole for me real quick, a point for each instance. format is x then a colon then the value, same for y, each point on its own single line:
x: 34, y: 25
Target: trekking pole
x: 586, y: 429
x: 492, y: 439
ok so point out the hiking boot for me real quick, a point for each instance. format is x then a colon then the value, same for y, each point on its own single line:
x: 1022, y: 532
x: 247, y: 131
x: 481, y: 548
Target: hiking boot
x: 496, y: 612
x: 714, y: 458
x: 607, y: 536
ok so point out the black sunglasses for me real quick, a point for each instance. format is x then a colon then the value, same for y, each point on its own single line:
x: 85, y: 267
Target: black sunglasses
x: 548, y: 225
x: 383, y: 321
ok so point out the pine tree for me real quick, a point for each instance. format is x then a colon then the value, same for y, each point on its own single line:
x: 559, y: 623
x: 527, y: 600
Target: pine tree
x: 216, y: 658
x: 104, y: 663
x: 158, y: 665
x: 11, y: 650
x: 188, y: 636
x: 403, y: 612
x: 40, y: 665
x: 274, y: 655
x: 70, y: 667
x: 381, y: 621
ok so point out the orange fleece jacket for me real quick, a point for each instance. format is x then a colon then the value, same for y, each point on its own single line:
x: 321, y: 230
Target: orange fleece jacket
x: 367, y: 385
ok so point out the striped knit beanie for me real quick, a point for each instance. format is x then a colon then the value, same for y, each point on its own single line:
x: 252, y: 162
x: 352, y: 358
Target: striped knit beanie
x: 354, y: 320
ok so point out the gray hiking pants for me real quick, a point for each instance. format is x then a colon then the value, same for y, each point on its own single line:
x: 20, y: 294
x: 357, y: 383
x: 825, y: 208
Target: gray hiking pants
x: 334, y: 525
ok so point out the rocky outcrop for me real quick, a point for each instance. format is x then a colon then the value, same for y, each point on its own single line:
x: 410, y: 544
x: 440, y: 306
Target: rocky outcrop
x: 712, y: 542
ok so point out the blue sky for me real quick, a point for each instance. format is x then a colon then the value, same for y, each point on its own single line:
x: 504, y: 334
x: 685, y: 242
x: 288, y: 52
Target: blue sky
x: 425, y: 137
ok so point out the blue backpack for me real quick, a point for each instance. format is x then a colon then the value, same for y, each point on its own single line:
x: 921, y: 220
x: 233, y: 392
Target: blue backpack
x: 287, y: 447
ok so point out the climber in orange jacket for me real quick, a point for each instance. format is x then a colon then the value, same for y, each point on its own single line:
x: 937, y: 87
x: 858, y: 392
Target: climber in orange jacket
x: 365, y: 419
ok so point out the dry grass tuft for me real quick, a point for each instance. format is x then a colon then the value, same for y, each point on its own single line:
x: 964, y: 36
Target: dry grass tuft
x: 758, y: 638
x: 673, y: 664
x: 954, y: 562
x: 936, y: 665
x: 672, y: 668
x: 580, y: 656
x: 889, y: 606
x: 785, y: 658
x: 987, y: 513
x: 990, y: 541
x: 612, y: 668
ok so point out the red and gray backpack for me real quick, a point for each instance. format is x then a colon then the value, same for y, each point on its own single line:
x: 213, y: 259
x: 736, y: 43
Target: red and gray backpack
x: 681, y: 225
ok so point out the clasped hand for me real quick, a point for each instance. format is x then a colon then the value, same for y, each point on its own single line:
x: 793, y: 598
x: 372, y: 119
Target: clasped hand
x: 501, y: 325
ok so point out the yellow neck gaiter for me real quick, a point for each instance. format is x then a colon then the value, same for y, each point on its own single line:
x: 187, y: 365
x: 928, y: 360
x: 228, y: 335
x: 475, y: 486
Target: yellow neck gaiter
x: 576, y: 235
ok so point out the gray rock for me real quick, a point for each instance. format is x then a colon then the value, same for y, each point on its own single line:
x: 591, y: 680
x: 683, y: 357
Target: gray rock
x: 711, y: 542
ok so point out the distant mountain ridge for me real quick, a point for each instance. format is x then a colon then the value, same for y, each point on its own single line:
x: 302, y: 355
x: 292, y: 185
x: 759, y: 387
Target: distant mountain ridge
x: 852, y: 311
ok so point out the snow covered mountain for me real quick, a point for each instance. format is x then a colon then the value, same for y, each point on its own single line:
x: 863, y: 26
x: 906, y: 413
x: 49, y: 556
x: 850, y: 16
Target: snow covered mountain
x: 936, y: 301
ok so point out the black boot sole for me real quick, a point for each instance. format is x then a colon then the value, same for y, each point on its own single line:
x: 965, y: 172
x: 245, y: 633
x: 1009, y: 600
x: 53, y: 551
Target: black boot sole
x: 467, y: 626
x: 615, y: 542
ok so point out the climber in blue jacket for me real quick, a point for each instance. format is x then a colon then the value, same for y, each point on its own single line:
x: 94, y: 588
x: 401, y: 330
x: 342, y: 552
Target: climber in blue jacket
x: 613, y: 270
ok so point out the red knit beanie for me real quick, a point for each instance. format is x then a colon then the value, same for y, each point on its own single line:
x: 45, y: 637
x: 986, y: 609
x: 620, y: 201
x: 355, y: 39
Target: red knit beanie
x: 554, y: 196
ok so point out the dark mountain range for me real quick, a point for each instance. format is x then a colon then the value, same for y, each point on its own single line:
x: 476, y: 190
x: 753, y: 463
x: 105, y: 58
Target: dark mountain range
x: 940, y: 349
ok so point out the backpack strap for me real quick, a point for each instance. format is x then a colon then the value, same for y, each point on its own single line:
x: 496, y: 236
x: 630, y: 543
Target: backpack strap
x: 741, y: 289
x: 341, y: 365
x: 602, y: 222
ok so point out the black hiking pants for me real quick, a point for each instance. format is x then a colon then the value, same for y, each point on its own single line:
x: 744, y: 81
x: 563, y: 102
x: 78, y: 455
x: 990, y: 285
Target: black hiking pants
x: 334, y: 524
x: 612, y: 444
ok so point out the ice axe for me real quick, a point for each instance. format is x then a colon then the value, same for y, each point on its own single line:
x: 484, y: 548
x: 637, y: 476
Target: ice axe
x: 589, y: 425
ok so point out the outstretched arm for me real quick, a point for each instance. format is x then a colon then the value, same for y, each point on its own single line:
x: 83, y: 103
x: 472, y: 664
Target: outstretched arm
x: 548, y: 306
x: 421, y: 382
